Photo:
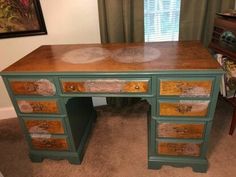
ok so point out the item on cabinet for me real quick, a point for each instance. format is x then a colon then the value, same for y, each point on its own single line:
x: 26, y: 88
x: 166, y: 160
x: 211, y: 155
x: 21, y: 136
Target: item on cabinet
x: 231, y: 13
x: 228, y: 82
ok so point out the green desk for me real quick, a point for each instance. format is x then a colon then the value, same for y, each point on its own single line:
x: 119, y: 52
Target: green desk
x: 52, y: 89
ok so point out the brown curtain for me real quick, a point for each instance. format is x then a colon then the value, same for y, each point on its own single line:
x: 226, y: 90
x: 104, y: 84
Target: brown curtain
x: 197, y: 18
x: 121, y: 21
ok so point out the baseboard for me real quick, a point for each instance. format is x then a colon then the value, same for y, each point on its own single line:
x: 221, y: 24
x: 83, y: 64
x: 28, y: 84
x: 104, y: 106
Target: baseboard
x: 7, y: 113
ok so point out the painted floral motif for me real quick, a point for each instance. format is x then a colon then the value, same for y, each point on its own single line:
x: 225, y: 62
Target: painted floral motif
x: 45, y: 87
x: 25, y: 106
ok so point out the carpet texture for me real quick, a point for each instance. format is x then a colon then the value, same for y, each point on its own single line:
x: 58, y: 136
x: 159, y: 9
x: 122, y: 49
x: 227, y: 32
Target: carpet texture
x: 117, y: 148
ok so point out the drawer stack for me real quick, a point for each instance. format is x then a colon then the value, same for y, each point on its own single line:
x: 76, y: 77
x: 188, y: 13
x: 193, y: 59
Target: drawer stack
x: 182, y: 120
x: 39, y: 110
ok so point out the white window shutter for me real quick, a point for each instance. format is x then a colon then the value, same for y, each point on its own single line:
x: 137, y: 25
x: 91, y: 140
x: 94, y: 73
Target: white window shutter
x: 161, y: 20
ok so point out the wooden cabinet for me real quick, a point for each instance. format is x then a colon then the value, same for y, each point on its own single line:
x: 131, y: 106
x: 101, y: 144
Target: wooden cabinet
x: 224, y: 37
x: 52, y: 89
x: 224, y: 42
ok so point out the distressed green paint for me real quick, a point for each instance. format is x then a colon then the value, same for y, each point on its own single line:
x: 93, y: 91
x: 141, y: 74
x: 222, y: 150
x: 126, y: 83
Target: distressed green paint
x: 70, y: 122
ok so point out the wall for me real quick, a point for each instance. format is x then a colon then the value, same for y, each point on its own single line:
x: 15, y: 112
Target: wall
x: 67, y: 22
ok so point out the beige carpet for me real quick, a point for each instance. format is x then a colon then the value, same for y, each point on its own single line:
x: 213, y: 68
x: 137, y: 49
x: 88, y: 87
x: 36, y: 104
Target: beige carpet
x: 117, y: 148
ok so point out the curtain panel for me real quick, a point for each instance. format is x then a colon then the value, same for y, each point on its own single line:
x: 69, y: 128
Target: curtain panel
x: 121, y: 21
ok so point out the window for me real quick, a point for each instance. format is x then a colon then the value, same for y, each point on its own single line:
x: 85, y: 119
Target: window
x: 161, y: 20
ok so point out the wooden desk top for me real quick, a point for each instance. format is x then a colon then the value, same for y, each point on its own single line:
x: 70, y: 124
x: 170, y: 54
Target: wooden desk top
x: 116, y: 58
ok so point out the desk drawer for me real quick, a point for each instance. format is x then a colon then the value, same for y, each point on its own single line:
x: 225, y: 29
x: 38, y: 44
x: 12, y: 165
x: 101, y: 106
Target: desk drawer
x: 42, y: 87
x: 187, y: 88
x: 184, y: 108
x: 174, y: 130
x: 44, y: 126
x: 179, y: 149
x: 56, y: 144
x: 49, y: 106
x: 105, y: 86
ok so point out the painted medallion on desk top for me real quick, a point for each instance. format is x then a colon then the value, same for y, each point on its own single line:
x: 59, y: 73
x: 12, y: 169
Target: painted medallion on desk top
x: 137, y: 54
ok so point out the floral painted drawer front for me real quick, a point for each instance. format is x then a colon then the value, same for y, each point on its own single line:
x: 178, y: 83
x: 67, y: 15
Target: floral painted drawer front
x: 105, y: 86
x: 179, y: 149
x: 44, y: 126
x: 57, y: 144
x: 184, y: 108
x: 38, y: 106
x: 42, y: 87
x: 186, y: 88
x: 174, y: 130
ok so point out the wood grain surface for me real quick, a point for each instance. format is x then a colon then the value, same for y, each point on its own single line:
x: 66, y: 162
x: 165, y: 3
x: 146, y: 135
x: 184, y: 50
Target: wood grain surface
x: 184, y: 108
x: 185, y: 88
x: 172, y: 130
x: 187, y: 55
x: 38, y: 87
x: 38, y: 106
x: 58, y: 144
x: 179, y: 149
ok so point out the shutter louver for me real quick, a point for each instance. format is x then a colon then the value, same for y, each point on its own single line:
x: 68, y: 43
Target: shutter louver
x: 161, y: 20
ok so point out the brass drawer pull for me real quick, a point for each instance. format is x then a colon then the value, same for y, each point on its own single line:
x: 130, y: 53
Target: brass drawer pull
x: 38, y: 107
x: 184, y: 108
x: 44, y: 125
x: 31, y: 87
x: 48, y: 144
x: 185, y: 89
x: 181, y: 130
x: 137, y: 87
x: 73, y: 88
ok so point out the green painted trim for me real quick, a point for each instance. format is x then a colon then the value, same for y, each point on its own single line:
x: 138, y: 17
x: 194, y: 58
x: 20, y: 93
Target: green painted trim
x: 179, y: 140
x: 174, y: 119
x: 198, y: 164
x: 121, y: 73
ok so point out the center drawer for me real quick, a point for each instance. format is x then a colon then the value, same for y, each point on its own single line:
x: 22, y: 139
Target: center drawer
x: 88, y: 85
